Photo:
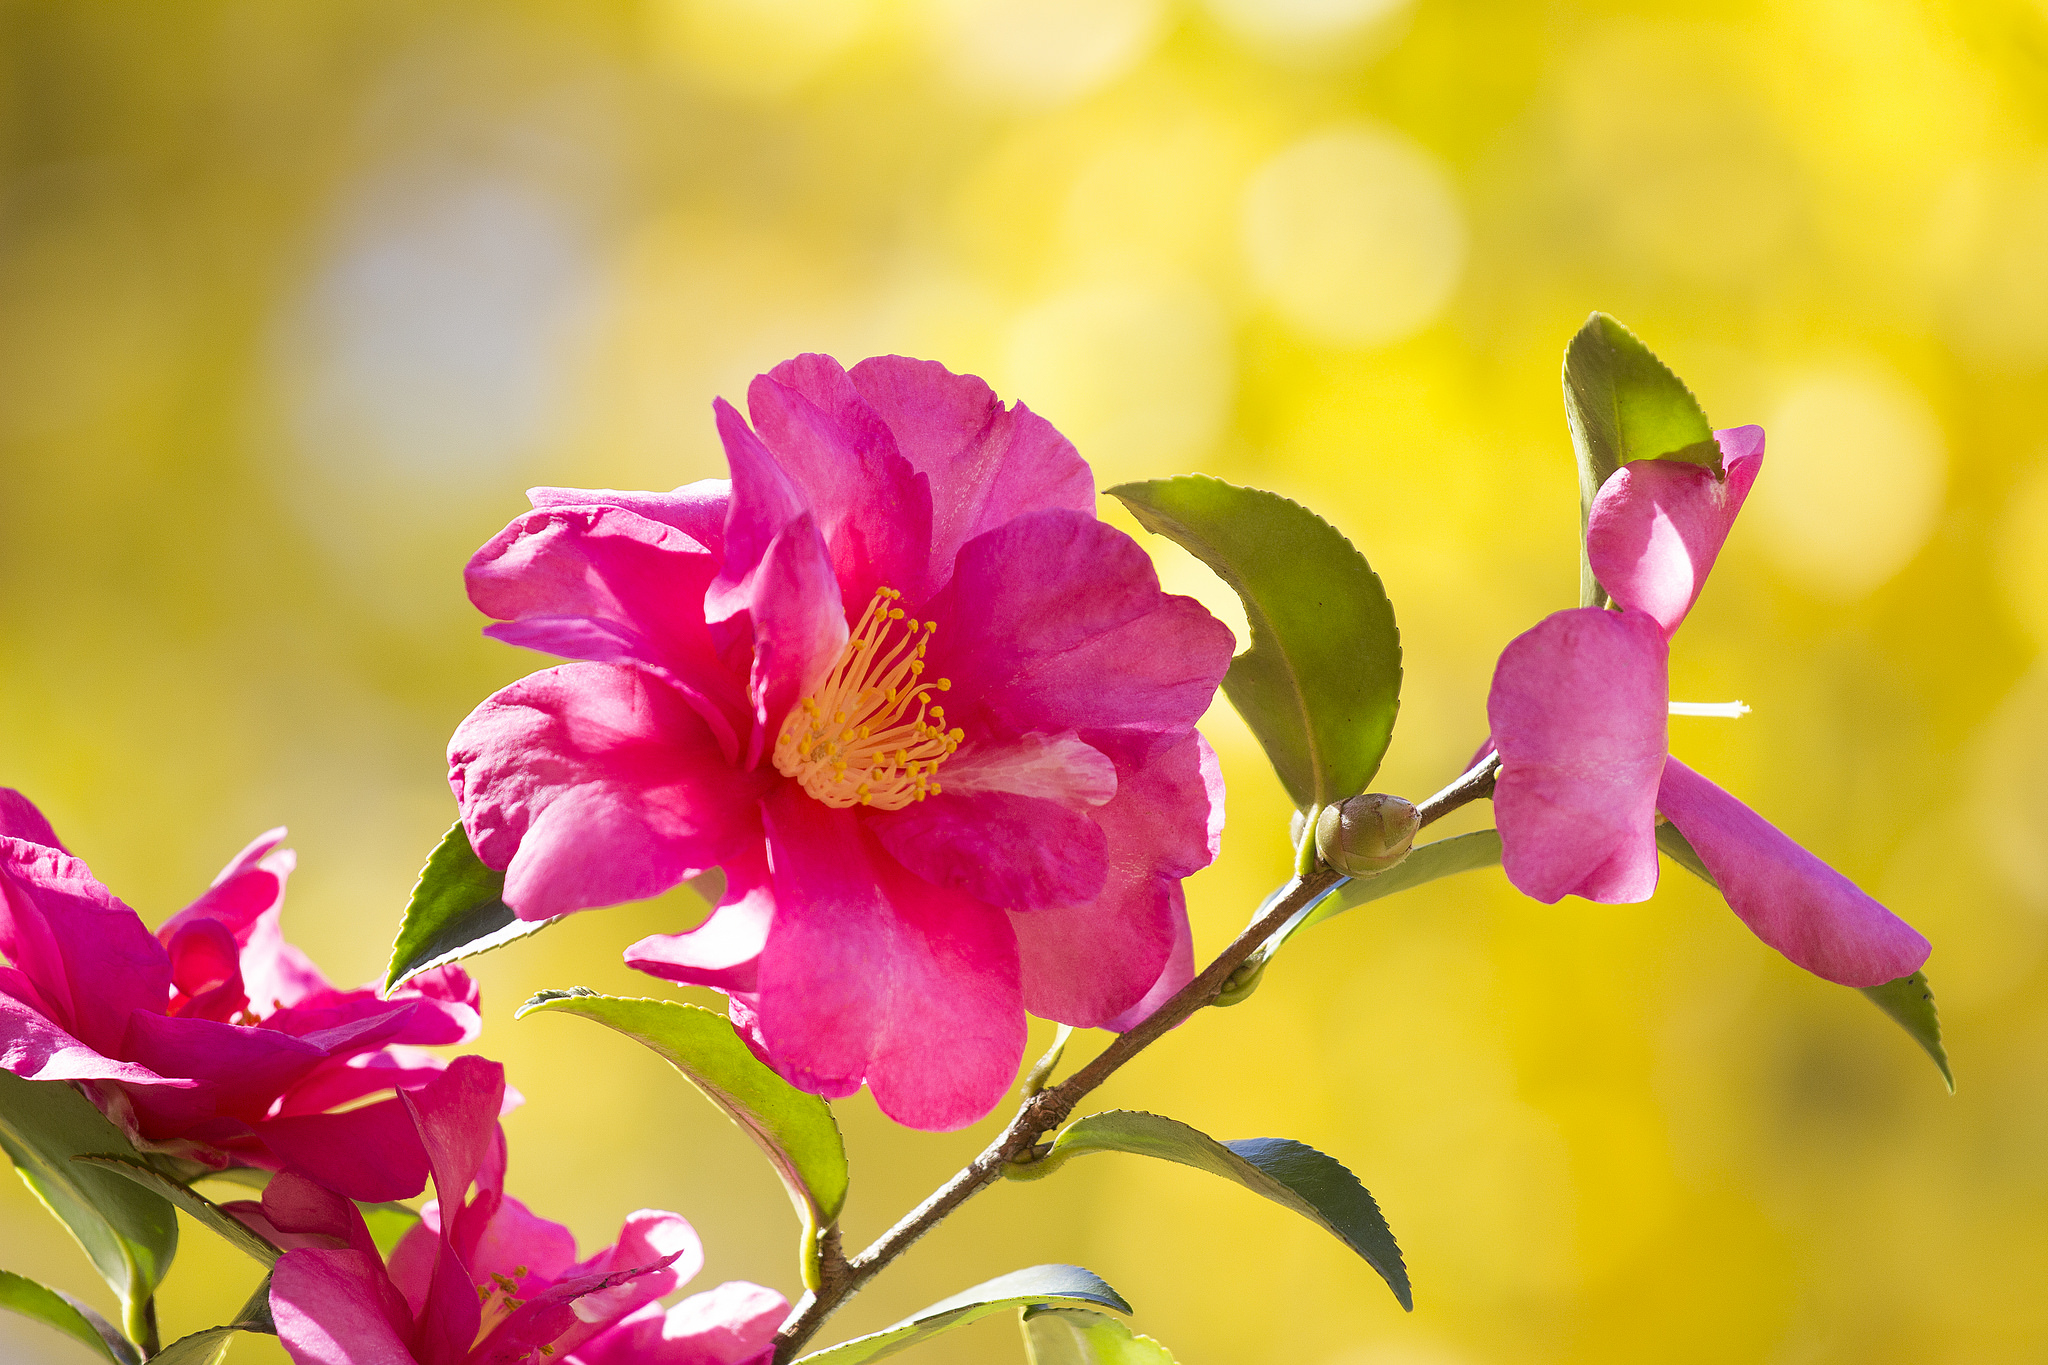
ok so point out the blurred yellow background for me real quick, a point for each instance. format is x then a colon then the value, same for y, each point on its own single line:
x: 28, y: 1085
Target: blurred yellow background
x: 295, y: 299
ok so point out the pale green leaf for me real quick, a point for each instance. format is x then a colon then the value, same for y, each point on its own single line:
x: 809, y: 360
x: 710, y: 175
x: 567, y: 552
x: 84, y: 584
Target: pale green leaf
x: 1075, y: 1336
x: 1065, y: 1286
x: 213, y: 1216
x: 1321, y: 681
x: 53, y: 1307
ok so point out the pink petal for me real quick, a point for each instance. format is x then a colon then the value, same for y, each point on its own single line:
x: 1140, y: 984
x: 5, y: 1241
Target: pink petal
x: 248, y: 1067
x: 206, y: 971
x: 606, y: 585
x: 295, y: 1205
x: 592, y: 784
x: 338, y: 1308
x: 341, y: 1080
x: 247, y: 887
x: 722, y: 951
x: 734, y: 1324
x: 866, y: 965
x: 1015, y: 852
x: 874, y: 510
x: 35, y: 1049
x: 372, y: 1153
x: 987, y: 464
x: 554, y: 1315
x: 517, y: 1237
x: 88, y: 955
x: 1578, y: 715
x: 1657, y: 526
x: 1179, y: 970
x: 276, y: 974
x: 1055, y: 623
x: 799, y: 628
x: 1789, y: 898
x: 457, y: 1119
x: 764, y: 500
x: 663, y: 1251
x: 697, y: 509
x: 1092, y: 964
x: 19, y: 819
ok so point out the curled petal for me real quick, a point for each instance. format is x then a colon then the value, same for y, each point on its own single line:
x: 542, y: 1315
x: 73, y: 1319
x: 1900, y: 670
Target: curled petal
x: 36, y: 1049
x: 88, y: 956
x: 799, y: 628
x: 697, y: 509
x: 1578, y: 715
x: 734, y: 1324
x: 19, y: 819
x: 722, y: 951
x: 763, y: 501
x: 1790, y: 899
x: 1657, y: 526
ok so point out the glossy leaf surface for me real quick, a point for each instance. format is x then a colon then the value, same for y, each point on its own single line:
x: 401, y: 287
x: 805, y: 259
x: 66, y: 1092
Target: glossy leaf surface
x: 53, y: 1307
x: 208, y: 1213
x: 1075, y: 1336
x: 1291, y: 1174
x: 129, y: 1233
x: 795, y: 1129
x: 1908, y: 1001
x: 1321, y: 681
x: 1065, y: 1286
x: 457, y: 910
x: 1624, y: 404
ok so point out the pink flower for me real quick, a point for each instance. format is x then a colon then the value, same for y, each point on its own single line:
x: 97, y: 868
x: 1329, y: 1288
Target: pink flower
x: 1578, y: 712
x: 212, y: 1039
x: 481, y: 1280
x: 934, y: 720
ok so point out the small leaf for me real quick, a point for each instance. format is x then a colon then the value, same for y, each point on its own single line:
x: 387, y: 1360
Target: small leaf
x: 130, y: 1234
x: 388, y: 1224
x: 209, y: 1347
x: 1075, y: 1336
x: 1322, y: 679
x: 1624, y: 404
x: 212, y: 1215
x: 1427, y: 863
x: 457, y: 910
x: 795, y: 1129
x: 1065, y: 1286
x: 1909, y: 1001
x: 57, y: 1309
x: 1291, y: 1174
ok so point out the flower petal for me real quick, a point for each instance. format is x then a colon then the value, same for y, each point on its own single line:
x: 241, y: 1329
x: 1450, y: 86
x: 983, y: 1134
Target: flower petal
x: 1578, y: 715
x: 592, y: 784
x: 651, y: 1238
x: 372, y: 1153
x: 88, y: 955
x: 36, y: 1049
x: 1055, y: 622
x: 1015, y: 852
x: 866, y: 965
x: 697, y: 509
x: 1092, y: 964
x: 1657, y: 525
x: 734, y: 1324
x: 338, y: 1308
x: 19, y: 819
x: 722, y: 951
x: 1789, y: 898
x: 986, y: 464
x: 799, y: 628
x: 764, y: 500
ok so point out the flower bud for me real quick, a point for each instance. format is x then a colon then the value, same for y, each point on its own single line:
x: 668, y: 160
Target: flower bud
x: 1366, y: 834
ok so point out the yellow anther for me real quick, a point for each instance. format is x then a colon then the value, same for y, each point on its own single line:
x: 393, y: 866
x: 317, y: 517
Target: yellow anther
x: 882, y: 724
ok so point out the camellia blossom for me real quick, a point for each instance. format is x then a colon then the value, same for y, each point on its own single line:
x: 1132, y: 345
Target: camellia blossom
x: 483, y: 1281
x: 1578, y: 710
x: 933, y: 719
x: 213, y: 1039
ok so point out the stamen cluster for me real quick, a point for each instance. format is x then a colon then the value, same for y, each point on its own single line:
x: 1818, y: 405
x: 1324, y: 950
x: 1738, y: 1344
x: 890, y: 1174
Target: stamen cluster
x: 856, y: 742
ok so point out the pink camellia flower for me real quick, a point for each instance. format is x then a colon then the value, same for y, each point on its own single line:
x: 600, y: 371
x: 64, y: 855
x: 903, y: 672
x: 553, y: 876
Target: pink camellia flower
x: 934, y: 720
x: 212, y: 1039
x: 481, y: 1280
x: 1578, y: 711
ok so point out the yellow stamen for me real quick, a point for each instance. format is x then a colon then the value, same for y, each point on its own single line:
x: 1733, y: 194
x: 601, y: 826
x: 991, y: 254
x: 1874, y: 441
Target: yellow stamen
x: 878, y: 749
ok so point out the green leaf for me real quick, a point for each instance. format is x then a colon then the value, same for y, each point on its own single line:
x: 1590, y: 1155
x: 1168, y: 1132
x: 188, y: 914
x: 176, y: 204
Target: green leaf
x: 1425, y: 864
x: 1908, y: 1001
x: 795, y: 1129
x: 130, y: 1234
x: 1322, y: 679
x: 209, y: 1347
x: 1075, y: 1336
x: 1291, y: 1174
x: 1624, y: 404
x: 57, y: 1309
x: 1065, y: 1286
x: 388, y: 1223
x: 212, y: 1215
x: 457, y: 910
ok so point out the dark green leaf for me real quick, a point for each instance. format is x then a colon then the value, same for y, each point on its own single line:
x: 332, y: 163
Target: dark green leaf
x: 1075, y: 1336
x: 215, y: 1218
x: 457, y: 910
x: 1427, y: 863
x: 1065, y: 1286
x: 59, y: 1310
x: 130, y: 1234
x: 1623, y: 404
x: 795, y: 1129
x: 1909, y: 1001
x: 1289, y: 1173
x: 1322, y: 679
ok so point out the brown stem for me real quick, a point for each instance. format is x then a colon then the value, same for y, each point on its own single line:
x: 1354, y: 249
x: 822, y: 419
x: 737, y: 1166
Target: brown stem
x: 1048, y: 1109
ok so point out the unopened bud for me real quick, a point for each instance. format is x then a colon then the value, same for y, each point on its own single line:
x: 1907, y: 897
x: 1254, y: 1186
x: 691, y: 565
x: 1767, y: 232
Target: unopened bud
x: 1366, y: 834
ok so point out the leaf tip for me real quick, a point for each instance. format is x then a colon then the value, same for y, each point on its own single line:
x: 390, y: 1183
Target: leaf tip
x: 543, y: 999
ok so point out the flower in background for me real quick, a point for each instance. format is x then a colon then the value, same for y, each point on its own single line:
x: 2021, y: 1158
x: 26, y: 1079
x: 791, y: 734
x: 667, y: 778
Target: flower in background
x: 934, y: 720
x: 1578, y: 710
x: 481, y: 1280
x: 213, y: 1039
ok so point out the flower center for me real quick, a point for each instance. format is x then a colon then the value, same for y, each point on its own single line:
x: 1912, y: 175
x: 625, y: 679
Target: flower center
x: 871, y: 736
